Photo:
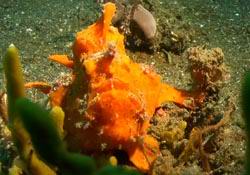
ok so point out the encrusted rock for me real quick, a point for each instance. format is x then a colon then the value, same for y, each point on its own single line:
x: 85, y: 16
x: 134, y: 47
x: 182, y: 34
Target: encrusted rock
x: 207, y: 66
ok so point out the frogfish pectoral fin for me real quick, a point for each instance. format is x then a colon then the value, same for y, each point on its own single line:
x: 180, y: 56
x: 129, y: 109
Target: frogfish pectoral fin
x: 62, y: 59
x: 42, y: 86
x: 184, y: 98
x: 144, y: 152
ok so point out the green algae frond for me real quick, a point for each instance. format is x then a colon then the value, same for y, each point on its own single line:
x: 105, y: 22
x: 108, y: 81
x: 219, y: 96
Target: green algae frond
x: 246, y: 114
x: 14, y: 77
x: 15, y: 89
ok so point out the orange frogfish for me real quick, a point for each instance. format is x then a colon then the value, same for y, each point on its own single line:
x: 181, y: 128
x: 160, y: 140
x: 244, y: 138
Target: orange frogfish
x: 110, y: 99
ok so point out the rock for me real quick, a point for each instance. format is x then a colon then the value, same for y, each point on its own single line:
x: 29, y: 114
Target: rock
x: 145, y: 20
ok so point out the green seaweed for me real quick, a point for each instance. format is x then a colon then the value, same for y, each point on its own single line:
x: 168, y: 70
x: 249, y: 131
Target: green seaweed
x: 14, y: 77
x: 15, y: 89
x: 246, y: 114
x: 119, y: 170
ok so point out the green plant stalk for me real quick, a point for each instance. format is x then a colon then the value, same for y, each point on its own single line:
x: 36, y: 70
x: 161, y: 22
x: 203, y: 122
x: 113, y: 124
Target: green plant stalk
x: 15, y: 89
x: 246, y: 114
x: 15, y: 82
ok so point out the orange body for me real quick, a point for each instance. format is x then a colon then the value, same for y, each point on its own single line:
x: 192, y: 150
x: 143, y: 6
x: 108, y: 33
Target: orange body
x: 111, y: 99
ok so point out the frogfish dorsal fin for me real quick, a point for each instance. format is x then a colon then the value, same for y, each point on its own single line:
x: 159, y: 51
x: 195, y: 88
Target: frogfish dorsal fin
x: 108, y: 14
